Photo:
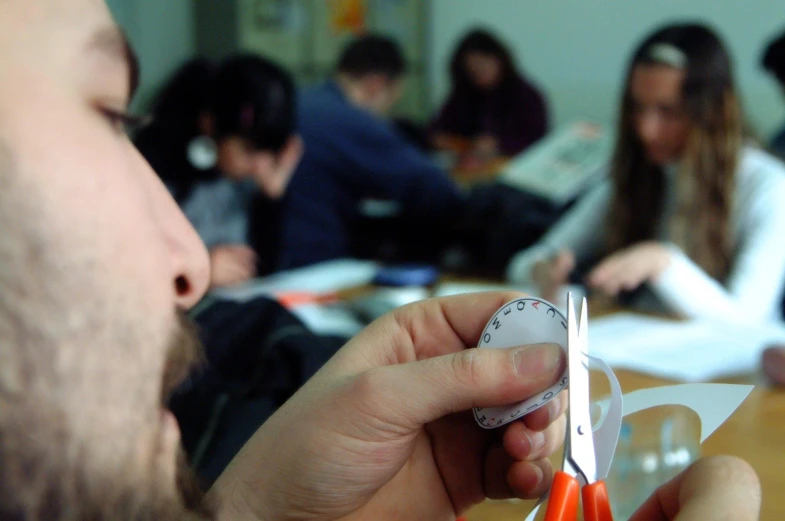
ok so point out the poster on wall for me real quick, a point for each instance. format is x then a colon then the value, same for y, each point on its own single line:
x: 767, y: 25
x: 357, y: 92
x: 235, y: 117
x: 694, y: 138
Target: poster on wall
x: 348, y: 16
x: 278, y: 15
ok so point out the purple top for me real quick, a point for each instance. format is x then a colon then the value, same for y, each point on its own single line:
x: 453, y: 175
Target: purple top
x: 515, y: 115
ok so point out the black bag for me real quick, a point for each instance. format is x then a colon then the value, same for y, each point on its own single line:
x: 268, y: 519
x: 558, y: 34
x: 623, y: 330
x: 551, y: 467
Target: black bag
x: 258, y: 355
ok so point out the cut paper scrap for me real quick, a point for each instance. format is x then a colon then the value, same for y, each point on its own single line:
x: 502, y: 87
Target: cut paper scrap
x: 607, y: 429
x: 713, y: 403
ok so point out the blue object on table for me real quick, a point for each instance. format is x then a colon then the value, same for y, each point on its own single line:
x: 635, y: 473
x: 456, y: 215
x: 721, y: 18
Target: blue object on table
x: 407, y: 275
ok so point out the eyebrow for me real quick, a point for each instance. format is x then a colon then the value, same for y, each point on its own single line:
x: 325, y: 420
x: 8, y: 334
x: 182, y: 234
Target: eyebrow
x: 112, y: 42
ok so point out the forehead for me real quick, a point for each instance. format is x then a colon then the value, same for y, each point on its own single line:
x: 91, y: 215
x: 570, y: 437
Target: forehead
x: 479, y: 56
x: 48, y: 32
x: 657, y: 83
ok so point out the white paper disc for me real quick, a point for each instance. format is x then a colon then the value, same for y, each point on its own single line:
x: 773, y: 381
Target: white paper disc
x: 520, y: 322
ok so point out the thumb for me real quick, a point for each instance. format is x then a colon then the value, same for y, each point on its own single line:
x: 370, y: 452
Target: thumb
x: 432, y: 388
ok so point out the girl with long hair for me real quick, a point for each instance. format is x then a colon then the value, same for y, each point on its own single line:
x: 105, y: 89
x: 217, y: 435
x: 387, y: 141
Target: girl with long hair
x: 690, y: 214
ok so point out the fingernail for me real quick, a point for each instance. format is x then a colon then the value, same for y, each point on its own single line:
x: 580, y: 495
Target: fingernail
x: 536, y: 441
x: 536, y: 359
x: 538, y: 473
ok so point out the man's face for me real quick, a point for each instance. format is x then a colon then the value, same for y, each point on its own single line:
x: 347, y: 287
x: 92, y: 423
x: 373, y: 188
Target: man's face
x: 96, y: 260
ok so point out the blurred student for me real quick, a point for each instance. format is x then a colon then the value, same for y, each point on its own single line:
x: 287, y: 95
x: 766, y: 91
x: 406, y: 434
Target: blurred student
x: 490, y: 103
x: 690, y: 212
x: 223, y: 140
x: 353, y: 153
x: 773, y: 61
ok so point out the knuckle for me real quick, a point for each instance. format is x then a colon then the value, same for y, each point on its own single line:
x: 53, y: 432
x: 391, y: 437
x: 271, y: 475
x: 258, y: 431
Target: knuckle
x: 469, y: 365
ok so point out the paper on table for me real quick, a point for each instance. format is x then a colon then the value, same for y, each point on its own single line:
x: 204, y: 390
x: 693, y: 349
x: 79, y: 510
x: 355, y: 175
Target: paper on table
x: 333, y: 319
x: 563, y: 164
x: 446, y: 289
x: 319, y: 278
x: 688, y: 350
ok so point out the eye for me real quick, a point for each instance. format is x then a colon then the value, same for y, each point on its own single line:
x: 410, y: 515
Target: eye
x: 122, y: 122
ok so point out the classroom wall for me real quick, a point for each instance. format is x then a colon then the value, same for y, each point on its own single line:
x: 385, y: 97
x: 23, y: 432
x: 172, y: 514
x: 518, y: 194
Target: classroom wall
x: 577, y: 50
x: 162, y: 34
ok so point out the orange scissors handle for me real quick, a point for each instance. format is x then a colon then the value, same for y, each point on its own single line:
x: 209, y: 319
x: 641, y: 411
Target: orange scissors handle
x: 596, y: 506
x: 563, y: 499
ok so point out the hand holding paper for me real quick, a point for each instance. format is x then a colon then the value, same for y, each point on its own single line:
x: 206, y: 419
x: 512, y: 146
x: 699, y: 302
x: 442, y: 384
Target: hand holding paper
x: 385, y: 426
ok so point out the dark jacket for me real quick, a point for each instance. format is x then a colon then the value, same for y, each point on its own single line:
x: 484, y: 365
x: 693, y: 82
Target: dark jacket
x: 352, y: 155
x: 515, y: 114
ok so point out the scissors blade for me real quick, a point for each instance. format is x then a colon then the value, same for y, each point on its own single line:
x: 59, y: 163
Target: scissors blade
x: 580, y: 439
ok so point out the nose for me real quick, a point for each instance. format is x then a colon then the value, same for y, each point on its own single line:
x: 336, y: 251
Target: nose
x: 189, y: 261
x: 649, y: 127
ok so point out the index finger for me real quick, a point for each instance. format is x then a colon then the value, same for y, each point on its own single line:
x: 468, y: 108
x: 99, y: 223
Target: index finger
x: 426, y: 329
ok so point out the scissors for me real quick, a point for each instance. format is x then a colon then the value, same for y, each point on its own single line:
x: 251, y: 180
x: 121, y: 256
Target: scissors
x: 579, y: 467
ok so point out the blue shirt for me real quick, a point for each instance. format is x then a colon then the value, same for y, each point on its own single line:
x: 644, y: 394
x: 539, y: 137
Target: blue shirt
x: 352, y: 155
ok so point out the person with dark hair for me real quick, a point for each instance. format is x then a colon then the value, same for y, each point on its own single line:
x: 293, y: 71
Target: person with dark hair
x: 690, y: 214
x: 353, y: 153
x: 490, y: 103
x: 773, y: 61
x: 223, y: 140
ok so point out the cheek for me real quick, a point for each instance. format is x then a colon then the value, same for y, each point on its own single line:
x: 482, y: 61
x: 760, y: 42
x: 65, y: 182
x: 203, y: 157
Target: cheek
x: 232, y: 161
x: 98, y: 202
x: 677, y: 131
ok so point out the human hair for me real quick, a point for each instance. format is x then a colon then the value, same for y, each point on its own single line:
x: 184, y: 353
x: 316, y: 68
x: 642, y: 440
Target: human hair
x: 479, y: 41
x: 372, y: 54
x: 773, y: 59
x: 245, y: 96
x: 706, y: 171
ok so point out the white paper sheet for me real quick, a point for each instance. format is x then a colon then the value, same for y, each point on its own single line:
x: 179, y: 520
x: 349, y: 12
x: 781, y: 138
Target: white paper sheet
x: 332, y: 319
x: 319, y: 278
x: 564, y: 163
x: 685, y: 351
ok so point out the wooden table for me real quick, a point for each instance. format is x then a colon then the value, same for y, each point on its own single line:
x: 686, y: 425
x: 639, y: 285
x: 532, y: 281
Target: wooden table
x: 755, y: 432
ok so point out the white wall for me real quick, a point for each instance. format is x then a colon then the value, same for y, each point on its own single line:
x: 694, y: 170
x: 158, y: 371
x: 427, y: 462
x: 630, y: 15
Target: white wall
x: 576, y: 50
x: 162, y: 34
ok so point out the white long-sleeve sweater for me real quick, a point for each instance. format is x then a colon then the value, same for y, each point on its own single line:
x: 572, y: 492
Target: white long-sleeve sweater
x: 751, y: 293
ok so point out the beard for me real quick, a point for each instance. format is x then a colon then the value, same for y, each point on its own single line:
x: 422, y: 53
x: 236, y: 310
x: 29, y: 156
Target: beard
x: 42, y: 476
x: 184, y: 353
